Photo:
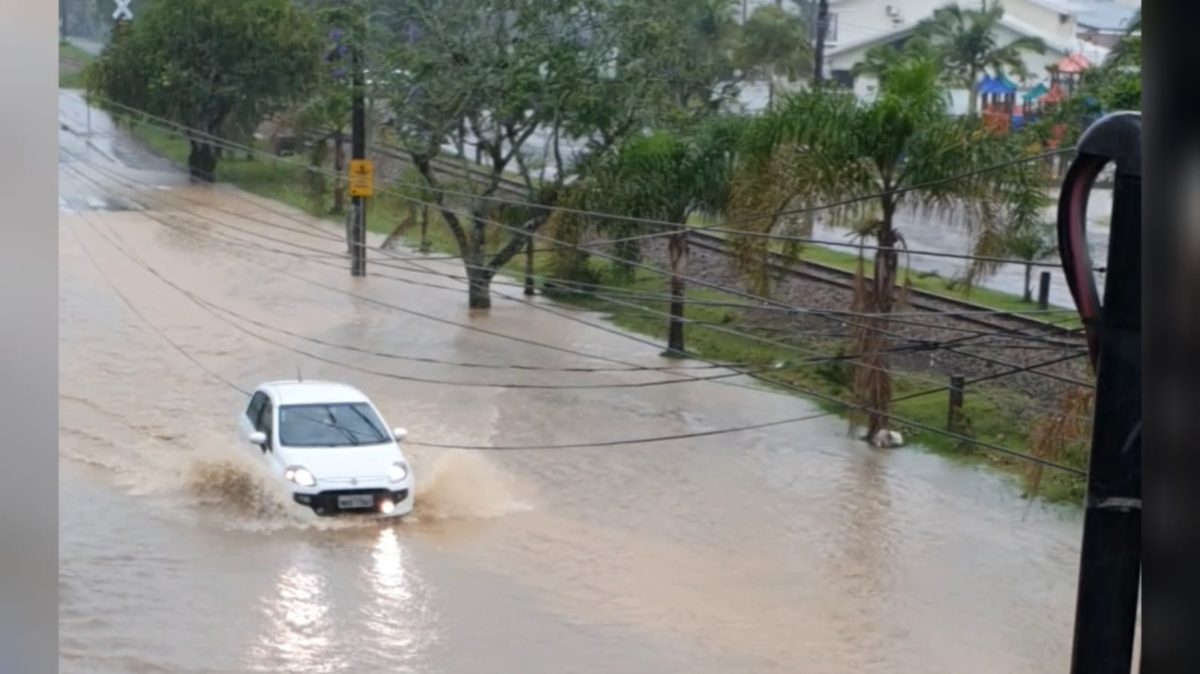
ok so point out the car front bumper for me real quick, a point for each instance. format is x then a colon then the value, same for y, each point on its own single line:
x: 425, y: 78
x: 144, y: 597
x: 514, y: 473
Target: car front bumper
x: 330, y: 502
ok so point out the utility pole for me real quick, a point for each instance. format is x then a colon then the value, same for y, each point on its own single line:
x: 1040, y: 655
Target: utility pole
x: 822, y: 27
x: 62, y: 21
x: 1110, y: 560
x: 358, y: 155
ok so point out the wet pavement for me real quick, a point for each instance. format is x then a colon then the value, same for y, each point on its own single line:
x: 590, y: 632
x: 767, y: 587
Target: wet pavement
x: 785, y: 549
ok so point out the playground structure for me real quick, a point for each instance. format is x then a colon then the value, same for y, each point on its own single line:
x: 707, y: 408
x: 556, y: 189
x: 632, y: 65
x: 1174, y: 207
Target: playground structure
x: 998, y: 96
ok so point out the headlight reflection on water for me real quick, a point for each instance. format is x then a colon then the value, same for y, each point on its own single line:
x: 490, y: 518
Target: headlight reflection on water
x: 398, y: 611
x: 298, y: 629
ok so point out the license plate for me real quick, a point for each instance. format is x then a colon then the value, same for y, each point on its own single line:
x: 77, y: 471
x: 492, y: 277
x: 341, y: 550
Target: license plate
x: 356, y: 501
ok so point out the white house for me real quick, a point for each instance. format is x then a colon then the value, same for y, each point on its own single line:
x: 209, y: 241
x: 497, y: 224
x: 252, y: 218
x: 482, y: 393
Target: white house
x: 857, y: 25
x: 1104, y: 22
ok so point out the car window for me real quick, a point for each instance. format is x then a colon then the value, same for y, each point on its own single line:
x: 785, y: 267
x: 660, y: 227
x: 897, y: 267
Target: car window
x: 255, y: 407
x: 266, y: 419
x: 330, y: 425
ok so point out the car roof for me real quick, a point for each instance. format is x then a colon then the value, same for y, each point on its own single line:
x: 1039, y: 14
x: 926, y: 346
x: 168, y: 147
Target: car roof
x: 306, y: 392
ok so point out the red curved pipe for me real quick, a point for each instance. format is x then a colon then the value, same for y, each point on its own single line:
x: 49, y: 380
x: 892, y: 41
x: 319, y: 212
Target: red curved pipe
x: 1072, y: 244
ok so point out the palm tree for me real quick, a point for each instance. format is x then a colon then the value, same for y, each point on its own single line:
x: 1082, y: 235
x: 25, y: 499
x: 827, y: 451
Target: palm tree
x: 879, y: 60
x: 901, y: 149
x: 669, y: 177
x: 774, y: 42
x: 967, y: 40
x: 1032, y: 243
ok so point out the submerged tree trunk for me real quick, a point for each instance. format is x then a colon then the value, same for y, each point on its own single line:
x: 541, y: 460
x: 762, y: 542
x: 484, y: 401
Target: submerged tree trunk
x: 339, y: 165
x: 479, y: 286
x: 425, y: 244
x: 202, y: 162
x: 872, y: 381
x: 677, y: 249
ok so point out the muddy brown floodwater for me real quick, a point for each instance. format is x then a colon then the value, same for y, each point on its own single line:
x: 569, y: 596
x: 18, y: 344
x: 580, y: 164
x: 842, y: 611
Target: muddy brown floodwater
x: 785, y: 549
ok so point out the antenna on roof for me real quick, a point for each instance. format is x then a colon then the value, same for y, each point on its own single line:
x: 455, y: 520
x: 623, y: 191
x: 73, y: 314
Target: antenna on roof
x: 299, y: 377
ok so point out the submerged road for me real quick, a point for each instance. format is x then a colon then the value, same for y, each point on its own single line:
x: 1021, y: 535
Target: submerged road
x: 786, y: 549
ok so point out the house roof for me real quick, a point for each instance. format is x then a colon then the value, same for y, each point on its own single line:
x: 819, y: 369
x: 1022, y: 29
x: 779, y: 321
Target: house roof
x: 1016, y: 25
x: 874, y: 39
x: 1106, y: 17
x: 996, y: 85
x: 1073, y: 63
x: 1037, y: 92
x: 1055, y: 44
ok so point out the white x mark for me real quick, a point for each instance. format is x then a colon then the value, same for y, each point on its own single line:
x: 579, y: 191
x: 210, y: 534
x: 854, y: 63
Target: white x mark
x: 122, y: 10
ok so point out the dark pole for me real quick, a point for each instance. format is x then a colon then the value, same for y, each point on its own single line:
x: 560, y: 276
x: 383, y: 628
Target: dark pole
x: 529, y: 285
x: 1110, y: 562
x: 1044, y: 291
x: 358, y: 150
x: 62, y: 20
x: 954, y: 409
x: 822, y: 27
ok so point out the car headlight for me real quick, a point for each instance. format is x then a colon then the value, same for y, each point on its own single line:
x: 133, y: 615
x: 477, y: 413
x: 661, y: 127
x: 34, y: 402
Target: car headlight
x: 300, y: 476
x: 398, y: 472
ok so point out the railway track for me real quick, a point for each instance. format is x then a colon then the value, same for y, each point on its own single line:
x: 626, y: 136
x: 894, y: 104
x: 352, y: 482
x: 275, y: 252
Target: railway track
x: 980, y: 316
x: 918, y: 299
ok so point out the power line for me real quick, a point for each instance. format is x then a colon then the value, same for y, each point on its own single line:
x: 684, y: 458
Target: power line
x: 151, y: 325
x: 614, y: 289
x: 210, y: 308
x: 655, y: 269
x: 701, y: 434
x: 609, y: 443
x: 766, y: 380
x: 820, y: 357
x: 674, y: 227
x: 591, y: 324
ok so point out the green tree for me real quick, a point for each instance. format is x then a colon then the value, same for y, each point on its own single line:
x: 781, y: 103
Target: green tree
x: 901, y: 149
x: 682, y: 51
x: 879, y: 60
x: 203, y: 63
x: 774, y: 42
x: 500, y: 68
x: 573, y: 76
x: 1033, y: 242
x: 324, y: 115
x: 1115, y: 84
x: 967, y: 39
x: 669, y: 177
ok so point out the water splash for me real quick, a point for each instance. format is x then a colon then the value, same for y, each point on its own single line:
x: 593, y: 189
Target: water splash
x: 458, y: 484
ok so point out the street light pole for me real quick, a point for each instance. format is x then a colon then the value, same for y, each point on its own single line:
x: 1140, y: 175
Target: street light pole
x: 358, y: 151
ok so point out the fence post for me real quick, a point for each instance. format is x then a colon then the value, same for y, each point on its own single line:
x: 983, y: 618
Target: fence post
x: 1044, y: 291
x: 954, y: 409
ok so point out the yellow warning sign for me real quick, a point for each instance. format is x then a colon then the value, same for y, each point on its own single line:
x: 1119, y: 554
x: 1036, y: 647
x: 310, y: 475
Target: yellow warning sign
x: 362, y: 178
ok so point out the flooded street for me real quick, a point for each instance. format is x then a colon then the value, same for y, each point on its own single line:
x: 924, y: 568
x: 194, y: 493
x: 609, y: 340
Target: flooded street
x: 791, y: 548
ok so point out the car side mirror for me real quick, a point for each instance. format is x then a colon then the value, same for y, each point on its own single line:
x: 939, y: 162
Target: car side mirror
x: 258, y: 438
x: 400, y: 433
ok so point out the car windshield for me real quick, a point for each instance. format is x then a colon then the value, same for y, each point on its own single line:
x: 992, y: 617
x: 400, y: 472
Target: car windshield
x: 330, y: 425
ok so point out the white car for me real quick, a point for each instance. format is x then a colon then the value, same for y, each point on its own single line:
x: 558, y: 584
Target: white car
x: 328, y: 443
